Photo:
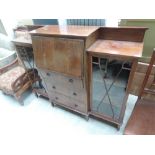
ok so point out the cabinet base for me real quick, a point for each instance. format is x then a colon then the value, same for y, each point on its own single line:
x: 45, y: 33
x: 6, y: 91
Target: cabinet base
x: 85, y: 115
x: 109, y: 120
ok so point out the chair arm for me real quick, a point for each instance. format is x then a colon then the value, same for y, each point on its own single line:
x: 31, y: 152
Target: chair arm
x: 29, y: 77
x: 9, y: 66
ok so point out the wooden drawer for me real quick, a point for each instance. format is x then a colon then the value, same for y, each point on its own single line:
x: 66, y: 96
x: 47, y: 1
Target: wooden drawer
x: 67, y: 101
x: 61, y: 55
x: 69, y: 86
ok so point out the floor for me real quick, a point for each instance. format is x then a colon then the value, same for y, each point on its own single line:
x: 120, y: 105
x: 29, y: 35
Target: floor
x: 38, y: 116
x: 38, y: 128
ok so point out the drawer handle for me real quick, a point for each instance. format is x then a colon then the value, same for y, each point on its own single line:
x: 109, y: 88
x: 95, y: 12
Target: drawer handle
x: 71, y: 80
x: 54, y: 87
x: 75, y: 94
x: 76, y: 105
x: 48, y: 74
x: 56, y: 98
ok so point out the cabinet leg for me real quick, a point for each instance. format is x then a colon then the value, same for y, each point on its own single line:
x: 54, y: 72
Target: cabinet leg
x: 118, y: 127
x: 21, y: 103
x: 40, y: 84
x: 52, y: 103
x: 19, y: 100
x: 4, y: 93
x: 86, y: 117
x: 36, y: 94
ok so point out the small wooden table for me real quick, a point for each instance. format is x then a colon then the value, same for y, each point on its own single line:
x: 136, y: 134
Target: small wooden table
x: 23, y: 41
x: 23, y: 45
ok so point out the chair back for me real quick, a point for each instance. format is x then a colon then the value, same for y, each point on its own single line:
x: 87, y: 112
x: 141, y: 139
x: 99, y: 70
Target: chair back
x: 150, y: 90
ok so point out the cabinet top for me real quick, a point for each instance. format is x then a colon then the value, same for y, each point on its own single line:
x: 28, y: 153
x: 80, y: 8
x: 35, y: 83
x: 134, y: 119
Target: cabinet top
x: 116, y: 48
x: 56, y: 30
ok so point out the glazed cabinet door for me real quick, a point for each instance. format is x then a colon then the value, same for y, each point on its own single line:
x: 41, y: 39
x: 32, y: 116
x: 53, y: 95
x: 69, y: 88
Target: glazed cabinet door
x: 59, y: 54
x: 109, y: 81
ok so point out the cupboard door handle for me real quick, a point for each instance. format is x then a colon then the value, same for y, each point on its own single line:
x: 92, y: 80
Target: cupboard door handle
x: 75, y: 94
x: 48, y: 74
x: 54, y: 87
x: 71, y: 80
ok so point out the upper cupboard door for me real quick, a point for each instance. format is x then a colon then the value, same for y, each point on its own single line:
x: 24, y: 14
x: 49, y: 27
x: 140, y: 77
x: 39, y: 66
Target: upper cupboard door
x: 59, y: 54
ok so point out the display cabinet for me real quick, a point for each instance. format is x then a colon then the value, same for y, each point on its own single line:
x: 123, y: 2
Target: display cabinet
x: 88, y: 69
x: 112, y: 61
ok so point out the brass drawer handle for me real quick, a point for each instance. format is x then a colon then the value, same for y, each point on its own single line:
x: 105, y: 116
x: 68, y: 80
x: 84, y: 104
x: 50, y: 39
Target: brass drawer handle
x: 54, y: 87
x: 71, y: 80
x: 75, y: 94
x: 48, y: 74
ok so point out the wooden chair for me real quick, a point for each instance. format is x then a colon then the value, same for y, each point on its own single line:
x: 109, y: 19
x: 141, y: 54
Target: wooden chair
x: 15, y: 79
x: 142, y: 120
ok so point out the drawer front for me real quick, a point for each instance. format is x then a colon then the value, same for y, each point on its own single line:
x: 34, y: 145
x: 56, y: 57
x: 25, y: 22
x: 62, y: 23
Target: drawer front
x: 67, y: 101
x: 68, y: 86
x: 59, y: 54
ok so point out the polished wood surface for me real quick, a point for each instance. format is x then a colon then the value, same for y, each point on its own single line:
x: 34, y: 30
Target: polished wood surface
x: 59, y: 55
x: 142, y: 120
x: 67, y: 101
x: 56, y: 30
x: 119, y: 48
x: 69, y: 86
x: 61, y: 59
x: 92, y: 38
x: 135, y: 34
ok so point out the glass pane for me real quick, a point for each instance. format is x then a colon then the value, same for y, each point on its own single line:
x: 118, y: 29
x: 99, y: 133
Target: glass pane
x: 110, y: 79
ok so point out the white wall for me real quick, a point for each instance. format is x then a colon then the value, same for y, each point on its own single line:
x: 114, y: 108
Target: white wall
x: 24, y: 22
x: 2, y: 30
x: 9, y: 24
x: 112, y: 22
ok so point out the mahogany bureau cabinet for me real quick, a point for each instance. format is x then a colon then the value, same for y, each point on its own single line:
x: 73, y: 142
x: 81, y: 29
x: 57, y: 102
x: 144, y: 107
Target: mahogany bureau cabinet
x: 81, y: 67
x: 60, y: 56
